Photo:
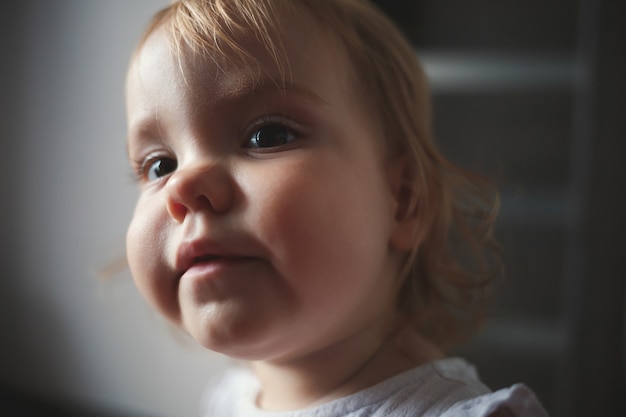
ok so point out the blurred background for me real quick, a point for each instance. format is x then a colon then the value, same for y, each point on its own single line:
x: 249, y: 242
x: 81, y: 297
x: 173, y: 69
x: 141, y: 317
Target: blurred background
x: 531, y: 93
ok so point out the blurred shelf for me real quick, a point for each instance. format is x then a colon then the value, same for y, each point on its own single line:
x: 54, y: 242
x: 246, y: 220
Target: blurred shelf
x: 526, y: 336
x: 464, y: 72
x: 540, y: 207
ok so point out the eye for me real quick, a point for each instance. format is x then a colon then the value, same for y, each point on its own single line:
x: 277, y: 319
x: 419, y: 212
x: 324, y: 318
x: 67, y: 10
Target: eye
x: 159, y: 167
x: 270, y: 136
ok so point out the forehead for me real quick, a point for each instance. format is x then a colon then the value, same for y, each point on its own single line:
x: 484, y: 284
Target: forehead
x: 306, y: 55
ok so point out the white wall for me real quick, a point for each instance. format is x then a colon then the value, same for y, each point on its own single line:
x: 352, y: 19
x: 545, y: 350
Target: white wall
x: 66, y: 198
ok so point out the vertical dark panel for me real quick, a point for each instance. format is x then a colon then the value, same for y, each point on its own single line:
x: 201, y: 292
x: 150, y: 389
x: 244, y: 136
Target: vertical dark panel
x: 592, y: 378
x: 10, y: 68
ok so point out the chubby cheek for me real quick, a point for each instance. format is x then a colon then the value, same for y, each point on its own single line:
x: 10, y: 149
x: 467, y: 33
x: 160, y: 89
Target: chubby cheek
x: 145, y: 249
x: 327, y: 234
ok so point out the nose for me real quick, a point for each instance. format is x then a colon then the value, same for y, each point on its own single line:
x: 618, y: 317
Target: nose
x: 204, y: 187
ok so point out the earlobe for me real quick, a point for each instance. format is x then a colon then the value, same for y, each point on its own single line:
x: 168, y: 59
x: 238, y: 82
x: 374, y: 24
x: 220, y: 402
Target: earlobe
x: 405, y: 234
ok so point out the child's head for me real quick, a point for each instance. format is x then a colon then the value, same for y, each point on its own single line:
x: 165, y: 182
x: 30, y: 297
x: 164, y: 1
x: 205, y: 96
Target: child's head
x: 291, y: 191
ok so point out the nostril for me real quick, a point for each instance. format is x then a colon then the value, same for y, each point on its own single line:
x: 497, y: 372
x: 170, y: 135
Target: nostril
x: 178, y: 211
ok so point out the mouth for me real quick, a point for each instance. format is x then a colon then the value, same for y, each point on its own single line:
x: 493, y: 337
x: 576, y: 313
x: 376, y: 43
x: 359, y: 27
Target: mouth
x: 210, y: 267
x: 205, y: 258
x: 205, y: 255
x: 199, y: 261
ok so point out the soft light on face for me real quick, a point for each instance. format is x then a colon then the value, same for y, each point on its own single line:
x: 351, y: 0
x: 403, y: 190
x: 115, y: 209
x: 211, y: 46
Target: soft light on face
x: 266, y: 218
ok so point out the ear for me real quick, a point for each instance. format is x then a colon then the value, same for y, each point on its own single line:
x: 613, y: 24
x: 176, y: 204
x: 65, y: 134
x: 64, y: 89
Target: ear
x: 405, y: 234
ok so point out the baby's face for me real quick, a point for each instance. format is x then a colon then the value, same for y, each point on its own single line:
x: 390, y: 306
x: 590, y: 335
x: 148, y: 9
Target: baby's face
x: 264, y: 220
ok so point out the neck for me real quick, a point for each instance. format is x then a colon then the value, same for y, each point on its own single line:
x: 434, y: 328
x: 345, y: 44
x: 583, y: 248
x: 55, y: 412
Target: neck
x: 353, y: 364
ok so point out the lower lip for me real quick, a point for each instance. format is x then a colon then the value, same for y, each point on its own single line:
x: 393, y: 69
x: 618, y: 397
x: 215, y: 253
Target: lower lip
x: 214, y: 268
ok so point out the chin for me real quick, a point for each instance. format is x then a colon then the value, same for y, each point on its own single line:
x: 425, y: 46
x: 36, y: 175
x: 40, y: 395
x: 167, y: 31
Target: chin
x: 247, y: 345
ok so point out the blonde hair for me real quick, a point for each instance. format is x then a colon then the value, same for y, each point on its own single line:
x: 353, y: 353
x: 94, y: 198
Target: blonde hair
x: 455, y: 258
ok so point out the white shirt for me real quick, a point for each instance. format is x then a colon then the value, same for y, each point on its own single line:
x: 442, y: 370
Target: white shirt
x: 444, y: 388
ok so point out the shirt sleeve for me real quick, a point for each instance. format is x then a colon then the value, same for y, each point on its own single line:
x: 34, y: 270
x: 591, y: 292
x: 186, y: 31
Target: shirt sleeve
x: 518, y: 400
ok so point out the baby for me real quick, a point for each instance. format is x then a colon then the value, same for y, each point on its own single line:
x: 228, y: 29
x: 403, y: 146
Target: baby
x: 294, y: 212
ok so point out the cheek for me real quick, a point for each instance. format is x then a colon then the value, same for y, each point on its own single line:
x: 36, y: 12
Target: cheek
x: 146, y: 259
x: 324, y: 227
x: 138, y: 248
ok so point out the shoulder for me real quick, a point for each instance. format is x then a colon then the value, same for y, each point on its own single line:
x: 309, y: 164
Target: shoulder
x: 516, y: 401
x: 451, y: 388
x: 436, y: 386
